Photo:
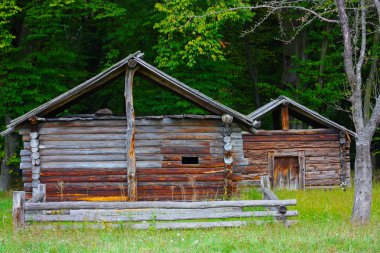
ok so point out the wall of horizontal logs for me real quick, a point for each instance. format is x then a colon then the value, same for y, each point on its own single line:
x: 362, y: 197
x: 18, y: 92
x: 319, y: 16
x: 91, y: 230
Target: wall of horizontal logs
x: 86, y: 159
x: 326, y: 153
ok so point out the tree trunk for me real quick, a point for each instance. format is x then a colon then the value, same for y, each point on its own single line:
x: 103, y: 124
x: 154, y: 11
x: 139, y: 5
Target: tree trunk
x: 295, y: 48
x: 371, y: 81
x: 363, y: 181
x: 324, y: 47
x: 10, y: 146
x: 252, y: 67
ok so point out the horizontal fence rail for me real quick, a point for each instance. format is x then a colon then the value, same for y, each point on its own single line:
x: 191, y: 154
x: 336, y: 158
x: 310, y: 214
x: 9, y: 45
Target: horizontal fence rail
x: 149, y: 212
x: 157, y: 204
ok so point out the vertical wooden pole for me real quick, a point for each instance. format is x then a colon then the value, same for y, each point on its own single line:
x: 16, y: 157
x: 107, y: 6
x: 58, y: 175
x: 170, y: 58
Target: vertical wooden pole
x: 18, y: 209
x: 342, y: 159
x: 228, y: 159
x: 302, y: 169
x: 130, y: 138
x: 35, y: 157
x: 285, y: 117
x: 271, y: 168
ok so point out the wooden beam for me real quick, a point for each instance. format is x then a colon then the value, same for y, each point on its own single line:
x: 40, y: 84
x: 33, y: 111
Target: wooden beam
x: 156, y: 204
x: 18, y: 209
x: 285, y: 117
x: 130, y: 138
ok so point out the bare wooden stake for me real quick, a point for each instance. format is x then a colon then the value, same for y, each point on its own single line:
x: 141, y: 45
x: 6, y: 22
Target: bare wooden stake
x: 18, y: 210
x: 130, y: 138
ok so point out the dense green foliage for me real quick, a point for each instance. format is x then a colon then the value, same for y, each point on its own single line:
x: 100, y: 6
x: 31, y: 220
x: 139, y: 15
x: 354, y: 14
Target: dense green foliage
x: 323, y: 227
x: 49, y: 47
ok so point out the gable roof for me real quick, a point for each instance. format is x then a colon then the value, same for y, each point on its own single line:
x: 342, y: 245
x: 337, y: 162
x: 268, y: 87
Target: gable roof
x: 299, y: 109
x: 64, y: 100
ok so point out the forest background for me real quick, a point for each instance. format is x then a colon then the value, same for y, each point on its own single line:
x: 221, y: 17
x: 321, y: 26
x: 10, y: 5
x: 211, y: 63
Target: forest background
x: 48, y: 47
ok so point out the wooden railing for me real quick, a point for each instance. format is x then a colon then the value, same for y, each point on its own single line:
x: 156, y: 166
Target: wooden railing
x: 151, y: 213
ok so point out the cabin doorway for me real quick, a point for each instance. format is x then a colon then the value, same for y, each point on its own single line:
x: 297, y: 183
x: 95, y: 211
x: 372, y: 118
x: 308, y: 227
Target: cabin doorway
x: 286, y: 173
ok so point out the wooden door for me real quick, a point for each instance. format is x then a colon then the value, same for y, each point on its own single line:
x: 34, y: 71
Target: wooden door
x: 286, y: 173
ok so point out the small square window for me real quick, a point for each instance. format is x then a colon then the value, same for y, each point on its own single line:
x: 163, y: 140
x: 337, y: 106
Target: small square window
x: 190, y: 160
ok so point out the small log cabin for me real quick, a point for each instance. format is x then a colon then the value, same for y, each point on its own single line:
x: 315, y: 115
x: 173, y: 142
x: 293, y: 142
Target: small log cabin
x: 302, y: 150
x: 102, y: 157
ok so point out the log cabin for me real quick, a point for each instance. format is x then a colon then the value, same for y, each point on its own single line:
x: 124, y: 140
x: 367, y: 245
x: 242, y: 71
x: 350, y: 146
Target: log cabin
x: 301, y: 149
x: 103, y: 157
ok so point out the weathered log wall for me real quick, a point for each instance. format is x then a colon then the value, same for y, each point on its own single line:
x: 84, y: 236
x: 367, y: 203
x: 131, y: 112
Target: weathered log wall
x: 86, y: 159
x: 322, y: 154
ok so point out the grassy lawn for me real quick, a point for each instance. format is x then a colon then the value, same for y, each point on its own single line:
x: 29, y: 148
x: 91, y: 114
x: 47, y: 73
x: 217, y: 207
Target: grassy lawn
x: 323, y: 227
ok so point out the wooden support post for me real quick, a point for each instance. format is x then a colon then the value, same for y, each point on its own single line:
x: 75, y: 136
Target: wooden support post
x: 35, y: 155
x: 130, y: 138
x: 302, y: 169
x: 39, y: 195
x: 271, y: 168
x: 228, y: 159
x: 342, y: 158
x: 285, y: 117
x: 265, y: 182
x: 18, y: 209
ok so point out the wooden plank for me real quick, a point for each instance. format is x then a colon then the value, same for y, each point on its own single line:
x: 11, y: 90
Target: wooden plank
x: 154, y: 204
x: 115, y: 186
x: 167, y: 121
x: 123, y: 171
x: 322, y: 175
x: 18, y: 209
x: 130, y: 138
x: 180, y: 178
x: 291, y: 137
x: 178, y: 164
x: 285, y: 117
x: 79, y: 178
x: 169, y: 149
x: 289, y: 145
x: 302, y: 169
x: 295, y: 132
x: 271, y: 166
x: 156, y: 216
x: 120, y: 212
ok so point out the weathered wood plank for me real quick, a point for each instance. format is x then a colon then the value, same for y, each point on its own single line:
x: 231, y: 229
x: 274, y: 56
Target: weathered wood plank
x: 290, y: 137
x: 285, y: 117
x: 296, y: 132
x: 289, y: 145
x: 139, y: 122
x: 156, y: 216
x: 130, y: 138
x: 154, y: 204
x: 18, y: 209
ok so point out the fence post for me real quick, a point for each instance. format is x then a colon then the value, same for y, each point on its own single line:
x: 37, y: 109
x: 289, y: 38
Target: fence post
x: 42, y: 189
x: 18, y: 210
x: 265, y: 183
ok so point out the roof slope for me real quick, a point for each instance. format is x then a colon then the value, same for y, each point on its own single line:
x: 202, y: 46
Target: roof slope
x: 298, y: 108
x: 145, y: 69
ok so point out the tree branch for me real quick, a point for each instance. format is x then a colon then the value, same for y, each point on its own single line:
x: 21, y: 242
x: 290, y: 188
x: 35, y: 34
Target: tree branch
x: 348, y: 61
x: 374, y: 120
x: 356, y: 98
x: 377, y: 5
x: 274, y: 9
x: 363, y: 41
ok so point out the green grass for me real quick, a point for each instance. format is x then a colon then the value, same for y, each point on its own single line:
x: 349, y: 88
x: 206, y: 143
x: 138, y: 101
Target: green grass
x: 323, y: 227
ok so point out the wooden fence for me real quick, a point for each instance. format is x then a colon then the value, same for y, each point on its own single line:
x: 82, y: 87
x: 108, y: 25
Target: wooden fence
x: 157, y: 214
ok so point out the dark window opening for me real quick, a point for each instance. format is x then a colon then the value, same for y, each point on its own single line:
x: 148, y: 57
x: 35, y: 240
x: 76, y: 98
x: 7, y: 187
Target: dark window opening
x: 190, y: 160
